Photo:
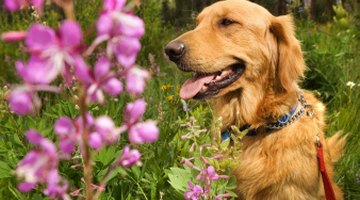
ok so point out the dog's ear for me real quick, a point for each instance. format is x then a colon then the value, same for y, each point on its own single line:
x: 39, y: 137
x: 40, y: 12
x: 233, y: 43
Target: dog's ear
x: 290, y: 64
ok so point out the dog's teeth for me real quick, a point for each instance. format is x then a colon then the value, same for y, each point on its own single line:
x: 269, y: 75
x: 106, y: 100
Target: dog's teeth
x: 218, y: 78
x: 204, y: 88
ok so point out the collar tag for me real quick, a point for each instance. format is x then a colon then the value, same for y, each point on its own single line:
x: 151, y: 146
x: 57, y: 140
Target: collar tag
x: 225, y: 135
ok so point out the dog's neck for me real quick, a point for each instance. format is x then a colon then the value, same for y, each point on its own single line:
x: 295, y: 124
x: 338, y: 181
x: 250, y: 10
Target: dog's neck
x: 249, y: 107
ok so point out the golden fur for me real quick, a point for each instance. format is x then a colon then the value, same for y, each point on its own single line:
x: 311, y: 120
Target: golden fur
x: 282, y: 164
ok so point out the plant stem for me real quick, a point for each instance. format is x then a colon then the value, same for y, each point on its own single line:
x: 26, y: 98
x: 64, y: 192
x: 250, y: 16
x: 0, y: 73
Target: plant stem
x: 85, y: 151
x: 105, y: 178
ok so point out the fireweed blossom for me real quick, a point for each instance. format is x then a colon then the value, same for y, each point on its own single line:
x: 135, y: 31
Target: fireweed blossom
x: 194, y: 192
x: 122, y: 31
x: 14, y: 5
x: 60, y: 52
x: 128, y: 157
x: 208, y: 175
x: 144, y: 132
x: 24, y: 99
x: 52, y: 52
x: 102, y: 131
x: 98, y: 79
x: 135, y: 80
x: 40, y: 167
x: 134, y: 111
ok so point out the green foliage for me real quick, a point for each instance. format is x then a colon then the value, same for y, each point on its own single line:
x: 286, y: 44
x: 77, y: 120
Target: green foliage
x: 341, y: 18
x: 196, y: 144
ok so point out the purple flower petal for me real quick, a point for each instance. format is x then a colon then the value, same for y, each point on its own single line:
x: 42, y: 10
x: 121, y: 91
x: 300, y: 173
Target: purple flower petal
x: 135, y: 81
x: 135, y: 110
x: 48, y: 147
x: 95, y: 94
x: 130, y: 25
x: 81, y: 70
x: 70, y: 33
x: 113, y: 87
x: 194, y: 192
x: 114, y: 5
x: 211, y: 173
x: 126, y: 50
x: 64, y: 125
x: 13, y: 36
x: 129, y: 157
x: 95, y: 140
x: 145, y: 132
x: 67, y: 146
x: 102, y: 67
x: 56, y: 186
x: 104, y: 125
x: 26, y: 186
x: 37, y: 3
x: 40, y: 38
x: 34, y: 137
x: 104, y: 25
x: 20, y: 101
x: 14, y: 5
x: 37, y: 71
x: 30, y: 158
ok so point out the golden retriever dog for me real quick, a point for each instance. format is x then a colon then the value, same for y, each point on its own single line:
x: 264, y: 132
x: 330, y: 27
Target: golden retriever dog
x: 249, y: 63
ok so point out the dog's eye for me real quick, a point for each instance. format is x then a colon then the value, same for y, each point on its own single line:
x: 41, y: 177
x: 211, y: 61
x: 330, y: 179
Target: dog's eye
x: 226, y: 22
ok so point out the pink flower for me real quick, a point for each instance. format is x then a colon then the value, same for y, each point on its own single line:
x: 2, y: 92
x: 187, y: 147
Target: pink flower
x: 104, y: 132
x: 129, y: 25
x: 21, y: 102
x: 134, y: 111
x: 13, y: 36
x: 106, y: 128
x: 67, y: 133
x: 135, y: 81
x: 14, y: 5
x: 40, y: 166
x: 194, y: 192
x: 54, y: 50
x: 126, y: 50
x: 37, y: 71
x: 100, y: 78
x: 208, y: 175
x: 145, y: 132
x: 114, y: 22
x: 26, y: 187
x: 221, y: 196
x: 129, y: 157
x: 95, y: 141
x: 56, y: 185
x: 122, y: 32
x: 114, y: 5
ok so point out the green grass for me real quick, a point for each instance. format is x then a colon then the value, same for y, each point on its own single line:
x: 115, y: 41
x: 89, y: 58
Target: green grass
x: 332, y: 55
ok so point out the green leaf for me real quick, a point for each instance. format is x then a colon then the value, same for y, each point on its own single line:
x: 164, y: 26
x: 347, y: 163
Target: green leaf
x: 5, y: 170
x: 106, y: 155
x: 225, y: 144
x: 178, y: 178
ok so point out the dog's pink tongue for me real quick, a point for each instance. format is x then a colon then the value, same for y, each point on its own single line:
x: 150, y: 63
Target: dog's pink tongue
x: 192, y: 86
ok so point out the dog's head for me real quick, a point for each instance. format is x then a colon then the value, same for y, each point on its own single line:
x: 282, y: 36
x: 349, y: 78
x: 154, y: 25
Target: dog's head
x: 238, y: 45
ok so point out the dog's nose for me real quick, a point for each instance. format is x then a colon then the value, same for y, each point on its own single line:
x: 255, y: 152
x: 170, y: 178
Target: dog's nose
x: 175, y: 50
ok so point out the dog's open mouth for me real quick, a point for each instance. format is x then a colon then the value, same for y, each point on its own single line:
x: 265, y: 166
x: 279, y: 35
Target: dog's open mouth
x: 202, y: 85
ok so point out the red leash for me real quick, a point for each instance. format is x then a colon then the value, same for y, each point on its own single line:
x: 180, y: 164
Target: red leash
x: 329, y: 191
